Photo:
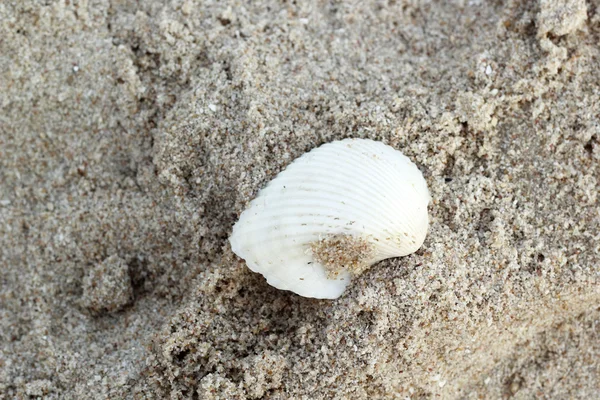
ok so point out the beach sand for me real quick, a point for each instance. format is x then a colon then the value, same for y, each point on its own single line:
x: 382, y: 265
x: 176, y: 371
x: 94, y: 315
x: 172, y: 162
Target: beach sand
x: 133, y: 134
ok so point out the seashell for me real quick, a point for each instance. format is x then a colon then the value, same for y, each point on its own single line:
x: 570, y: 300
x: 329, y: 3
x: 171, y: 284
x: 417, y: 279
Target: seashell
x: 331, y: 214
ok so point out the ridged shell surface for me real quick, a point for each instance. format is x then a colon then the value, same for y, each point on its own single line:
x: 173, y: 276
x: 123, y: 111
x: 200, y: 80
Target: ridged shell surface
x: 353, y: 196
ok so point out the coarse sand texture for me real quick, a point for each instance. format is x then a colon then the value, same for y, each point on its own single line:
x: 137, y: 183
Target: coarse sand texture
x: 134, y: 134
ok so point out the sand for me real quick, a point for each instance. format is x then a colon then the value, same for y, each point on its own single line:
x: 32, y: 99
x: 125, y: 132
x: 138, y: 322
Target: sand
x: 132, y: 135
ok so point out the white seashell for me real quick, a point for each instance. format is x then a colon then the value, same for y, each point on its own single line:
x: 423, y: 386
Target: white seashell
x: 331, y: 214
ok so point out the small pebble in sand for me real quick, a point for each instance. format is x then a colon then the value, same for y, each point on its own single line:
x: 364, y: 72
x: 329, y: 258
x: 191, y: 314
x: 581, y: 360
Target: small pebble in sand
x: 331, y: 214
x: 107, y: 286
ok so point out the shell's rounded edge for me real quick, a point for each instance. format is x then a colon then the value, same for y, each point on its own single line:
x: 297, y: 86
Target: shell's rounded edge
x: 301, y: 275
x: 322, y: 289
